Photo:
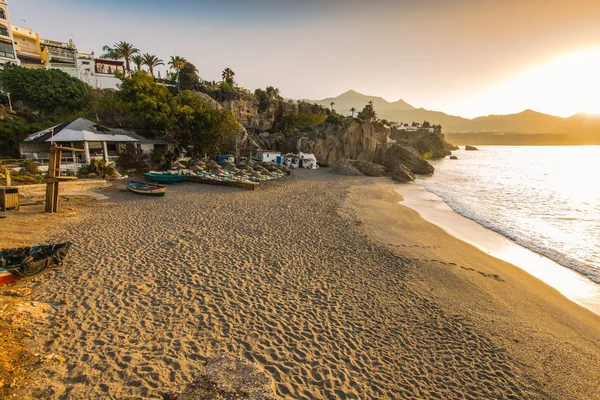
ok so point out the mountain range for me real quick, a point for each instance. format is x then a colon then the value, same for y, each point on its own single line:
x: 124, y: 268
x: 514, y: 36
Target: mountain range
x: 577, y: 129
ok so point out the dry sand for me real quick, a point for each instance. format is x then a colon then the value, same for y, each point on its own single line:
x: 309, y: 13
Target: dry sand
x: 321, y: 288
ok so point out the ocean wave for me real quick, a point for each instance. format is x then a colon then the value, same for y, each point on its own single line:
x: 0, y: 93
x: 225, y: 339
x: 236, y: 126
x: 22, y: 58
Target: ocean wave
x: 554, y: 255
x: 541, y: 211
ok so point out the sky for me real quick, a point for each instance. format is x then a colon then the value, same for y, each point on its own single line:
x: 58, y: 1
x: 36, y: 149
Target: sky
x: 462, y: 57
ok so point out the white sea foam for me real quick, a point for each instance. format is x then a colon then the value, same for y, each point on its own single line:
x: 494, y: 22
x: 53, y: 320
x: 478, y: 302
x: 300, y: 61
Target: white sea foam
x: 544, y: 198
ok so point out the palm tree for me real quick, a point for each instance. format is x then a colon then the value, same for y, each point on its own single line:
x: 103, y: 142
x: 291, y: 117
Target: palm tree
x: 332, y: 104
x: 228, y: 75
x: 138, y: 60
x: 352, y: 110
x: 121, y: 50
x: 151, y: 61
x: 177, y: 63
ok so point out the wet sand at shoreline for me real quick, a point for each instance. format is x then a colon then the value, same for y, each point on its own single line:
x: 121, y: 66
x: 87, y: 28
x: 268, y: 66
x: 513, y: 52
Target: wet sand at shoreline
x: 324, y: 281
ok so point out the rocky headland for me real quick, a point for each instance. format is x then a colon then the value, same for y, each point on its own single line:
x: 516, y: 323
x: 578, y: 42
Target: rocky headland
x: 350, y: 147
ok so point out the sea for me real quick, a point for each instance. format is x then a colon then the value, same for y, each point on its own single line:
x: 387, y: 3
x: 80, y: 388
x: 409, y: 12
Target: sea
x: 545, y: 198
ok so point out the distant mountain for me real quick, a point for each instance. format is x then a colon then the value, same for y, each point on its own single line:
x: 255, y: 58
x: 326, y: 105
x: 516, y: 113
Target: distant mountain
x: 345, y: 101
x: 579, y: 128
x: 399, y: 111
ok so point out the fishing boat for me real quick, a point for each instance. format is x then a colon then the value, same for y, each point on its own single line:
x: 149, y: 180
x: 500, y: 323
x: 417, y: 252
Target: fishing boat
x: 165, y: 177
x: 27, y: 261
x: 148, y: 189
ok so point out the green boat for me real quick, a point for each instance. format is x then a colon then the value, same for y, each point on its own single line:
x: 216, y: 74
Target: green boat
x: 165, y: 178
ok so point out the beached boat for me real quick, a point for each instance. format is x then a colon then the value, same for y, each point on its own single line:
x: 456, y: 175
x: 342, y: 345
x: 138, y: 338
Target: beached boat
x: 148, y: 189
x: 27, y: 261
x: 165, y: 177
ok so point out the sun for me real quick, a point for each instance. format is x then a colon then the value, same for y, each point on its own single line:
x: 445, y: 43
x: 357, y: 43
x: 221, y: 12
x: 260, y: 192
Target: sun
x: 563, y: 86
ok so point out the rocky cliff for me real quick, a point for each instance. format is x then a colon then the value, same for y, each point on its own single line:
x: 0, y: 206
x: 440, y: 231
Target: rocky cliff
x: 367, y: 146
x: 245, y: 141
x: 249, y: 112
x: 331, y: 143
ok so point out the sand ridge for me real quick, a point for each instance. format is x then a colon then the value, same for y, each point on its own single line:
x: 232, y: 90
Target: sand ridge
x: 285, y: 277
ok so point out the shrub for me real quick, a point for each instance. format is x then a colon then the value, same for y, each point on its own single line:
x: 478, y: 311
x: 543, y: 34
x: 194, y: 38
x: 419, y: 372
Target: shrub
x: 29, y: 167
x: 45, y: 89
x: 335, y: 119
x: 99, y: 169
x: 132, y: 160
x: 25, y: 179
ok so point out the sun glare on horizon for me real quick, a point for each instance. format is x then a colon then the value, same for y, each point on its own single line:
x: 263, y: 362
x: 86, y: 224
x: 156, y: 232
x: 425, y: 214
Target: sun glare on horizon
x: 566, y: 85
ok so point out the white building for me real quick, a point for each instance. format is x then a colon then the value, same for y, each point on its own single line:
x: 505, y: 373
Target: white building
x: 268, y: 155
x: 7, y: 44
x: 96, y: 141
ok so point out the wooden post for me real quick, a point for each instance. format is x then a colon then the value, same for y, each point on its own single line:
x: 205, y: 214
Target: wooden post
x: 54, y: 177
x: 8, y: 178
x: 52, y: 182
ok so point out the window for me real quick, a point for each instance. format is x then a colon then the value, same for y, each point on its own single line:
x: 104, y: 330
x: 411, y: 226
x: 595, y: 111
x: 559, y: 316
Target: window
x: 6, y: 50
x: 3, y: 31
x: 2, y: 14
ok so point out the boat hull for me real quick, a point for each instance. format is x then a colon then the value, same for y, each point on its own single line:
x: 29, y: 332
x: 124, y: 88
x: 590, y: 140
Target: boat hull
x: 165, y: 178
x: 27, y: 261
x: 7, y: 277
x: 146, y: 189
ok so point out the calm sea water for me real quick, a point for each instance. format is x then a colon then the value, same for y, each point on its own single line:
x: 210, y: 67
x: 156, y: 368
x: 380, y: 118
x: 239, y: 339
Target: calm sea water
x: 544, y: 198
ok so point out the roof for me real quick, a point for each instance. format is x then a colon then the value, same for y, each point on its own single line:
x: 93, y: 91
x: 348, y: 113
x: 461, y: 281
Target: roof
x: 109, y: 62
x: 141, y: 138
x: 82, y: 129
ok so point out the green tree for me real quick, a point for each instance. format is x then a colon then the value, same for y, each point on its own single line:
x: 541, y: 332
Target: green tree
x: 145, y: 101
x: 46, y: 90
x: 121, y: 50
x: 368, y: 112
x: 202, y: 127
x: 332, y: 104
x: 352, y: 111
x: 273, y: 93
x: 138, y: 61
x: 177, y: 63
x: 151, y: 61
x: 267, y: 98
x: 188, y: 77
x: 227, y: 76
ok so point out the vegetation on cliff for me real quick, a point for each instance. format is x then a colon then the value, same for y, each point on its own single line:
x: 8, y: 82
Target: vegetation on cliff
x: 200, y: 115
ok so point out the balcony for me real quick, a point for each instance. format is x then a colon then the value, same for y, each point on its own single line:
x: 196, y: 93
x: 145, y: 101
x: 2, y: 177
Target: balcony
x: 63, y: 55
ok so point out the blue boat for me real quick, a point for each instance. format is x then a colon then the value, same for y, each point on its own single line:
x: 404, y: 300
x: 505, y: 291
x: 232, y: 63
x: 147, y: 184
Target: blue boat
x: 165, y: 178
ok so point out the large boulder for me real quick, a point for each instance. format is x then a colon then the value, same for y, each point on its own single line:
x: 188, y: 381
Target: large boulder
x: 403, y: 174
x: 226, y: 378
x: 449, y: 146
x: 467, y: 147
x: 427, y: 144
x: 431, y: 146
x: 344, y: 167
x: 397, y: 155
x: 368, y: 168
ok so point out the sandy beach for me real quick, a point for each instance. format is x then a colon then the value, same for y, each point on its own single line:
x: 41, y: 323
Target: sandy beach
x: 328, y: 283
